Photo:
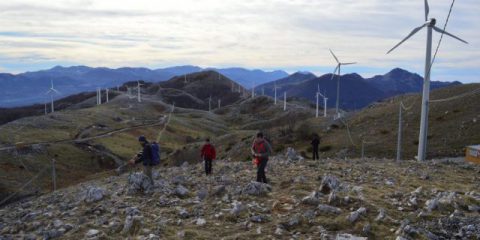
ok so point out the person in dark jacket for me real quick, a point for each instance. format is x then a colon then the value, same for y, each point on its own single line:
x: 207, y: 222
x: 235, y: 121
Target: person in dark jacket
x: 261, y: 149
x: 145, y: 156
x: 315, y: 142
x: 208, y: 154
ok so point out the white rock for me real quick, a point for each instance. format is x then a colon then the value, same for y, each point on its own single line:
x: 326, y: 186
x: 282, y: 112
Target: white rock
x: 201, y: 222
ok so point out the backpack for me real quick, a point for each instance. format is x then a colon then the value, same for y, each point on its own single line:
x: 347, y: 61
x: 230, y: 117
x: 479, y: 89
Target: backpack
x: 155, y: 154
x: 209, y: 151
x: 260, y: 147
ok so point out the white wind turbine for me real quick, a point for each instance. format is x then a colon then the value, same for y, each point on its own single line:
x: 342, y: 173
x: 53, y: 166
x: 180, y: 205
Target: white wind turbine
x: 52, y: 91
x: 99, y: 96
x: 106, y: 92
x: 275, y: 93
x: 430, y: 24
x: 139, y: 85
x: 338, y: 68
x: 325, y: 99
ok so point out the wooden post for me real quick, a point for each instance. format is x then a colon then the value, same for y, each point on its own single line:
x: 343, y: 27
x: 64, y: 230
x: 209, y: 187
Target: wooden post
x: 54, y: 175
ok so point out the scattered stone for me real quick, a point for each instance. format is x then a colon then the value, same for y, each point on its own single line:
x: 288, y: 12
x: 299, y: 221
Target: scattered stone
x: 312, y: 199
x: 138, y: 182
x: 237, y: 209
x: 257, y: 189
x: 183, y: 213
x: 327, y: 209
x: 181, y: 191
x: 346, y: 236
x: 381, y: 215
x: 431, y: 204
x: 292, y: 155
x: 219, y: 190
x: 93, y: 233
x: 356, y: 214
x: 132, y: 225
x: 200, y: 222
x: 329, y: 183
x: 94, y: 194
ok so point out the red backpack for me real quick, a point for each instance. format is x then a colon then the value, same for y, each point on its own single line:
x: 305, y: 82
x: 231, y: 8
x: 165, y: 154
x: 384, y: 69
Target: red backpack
x: 208, y: 151
x: 259, y: 147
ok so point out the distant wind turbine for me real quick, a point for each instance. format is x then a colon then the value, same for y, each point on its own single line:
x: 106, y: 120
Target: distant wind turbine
x: 139, y: 85
x: 285, y: 101
x: 337, y: 68
x: 52, y: 91
x: 106, y: 92
x: 325, y: 99
x: 430, y: 24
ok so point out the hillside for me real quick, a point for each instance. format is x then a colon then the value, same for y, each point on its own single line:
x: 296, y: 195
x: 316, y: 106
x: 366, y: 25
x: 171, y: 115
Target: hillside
x: 331, y: 199
x: 452, y: 126
x: 89, y: 141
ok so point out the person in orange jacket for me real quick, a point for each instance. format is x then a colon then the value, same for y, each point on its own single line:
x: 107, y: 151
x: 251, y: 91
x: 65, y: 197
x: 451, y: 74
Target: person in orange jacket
x: 261, y: 149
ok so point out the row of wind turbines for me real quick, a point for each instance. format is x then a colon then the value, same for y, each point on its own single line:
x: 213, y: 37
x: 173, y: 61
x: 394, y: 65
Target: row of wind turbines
x: 52, y: 92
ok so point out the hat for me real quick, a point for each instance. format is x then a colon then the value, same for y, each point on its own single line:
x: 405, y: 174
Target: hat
x: 142, y: 139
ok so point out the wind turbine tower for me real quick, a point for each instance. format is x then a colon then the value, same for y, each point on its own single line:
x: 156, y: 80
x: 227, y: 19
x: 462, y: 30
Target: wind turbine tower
x: 430, y: 24
x: 106, y: 92
x: 337, y: 69
x: 52, y: 91
x: 139, y: 85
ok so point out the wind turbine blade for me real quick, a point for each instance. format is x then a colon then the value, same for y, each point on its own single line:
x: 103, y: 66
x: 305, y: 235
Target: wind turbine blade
x: 449, y: 34
x: 55, y: 90
x: 336, y: 59
x: 349, y: 63
x: 409, y: 35
x: 49, y: 91
x: 51, y: 83
x: 427, y: 10
x: 335, y: 71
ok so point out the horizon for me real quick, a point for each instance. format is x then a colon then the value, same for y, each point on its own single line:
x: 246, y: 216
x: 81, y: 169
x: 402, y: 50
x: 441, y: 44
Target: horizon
x: 38, y: 36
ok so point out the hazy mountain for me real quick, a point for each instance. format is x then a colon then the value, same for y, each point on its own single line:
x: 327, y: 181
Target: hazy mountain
x: 249, y: 78
x: 295, y: 78
x: 355, y: 91
x: 29, y: 88
x: 399, y: 81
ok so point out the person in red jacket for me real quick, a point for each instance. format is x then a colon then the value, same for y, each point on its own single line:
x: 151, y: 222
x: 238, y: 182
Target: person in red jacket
x: 208, y: 155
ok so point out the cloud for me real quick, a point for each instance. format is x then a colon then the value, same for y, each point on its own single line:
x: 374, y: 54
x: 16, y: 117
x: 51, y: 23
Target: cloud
x: 254, y: 33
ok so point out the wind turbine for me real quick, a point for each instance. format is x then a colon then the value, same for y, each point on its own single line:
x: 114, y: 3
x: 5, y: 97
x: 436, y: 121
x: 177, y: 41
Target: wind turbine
x: 285, y: 101
x: 138, y: 91
x: 275, y: 94
x: 337, y: 68
x: 106, y: 92
x: 99, y: 96
x: 52, y: 91
x: 253, y: 90
x: 325, y: 99
x: 430, y: 24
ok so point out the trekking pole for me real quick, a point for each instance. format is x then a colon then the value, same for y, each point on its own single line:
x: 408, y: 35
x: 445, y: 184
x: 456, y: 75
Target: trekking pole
x: 54, y: 175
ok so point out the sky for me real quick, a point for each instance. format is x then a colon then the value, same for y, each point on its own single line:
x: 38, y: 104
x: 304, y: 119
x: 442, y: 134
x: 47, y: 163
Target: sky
x: 290, y: 35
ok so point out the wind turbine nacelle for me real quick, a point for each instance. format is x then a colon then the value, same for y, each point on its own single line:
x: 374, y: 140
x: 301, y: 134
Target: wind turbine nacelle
x: 432, y: 23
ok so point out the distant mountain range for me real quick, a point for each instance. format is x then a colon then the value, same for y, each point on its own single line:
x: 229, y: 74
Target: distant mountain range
x: 355, y: 91
x: 30, y: 87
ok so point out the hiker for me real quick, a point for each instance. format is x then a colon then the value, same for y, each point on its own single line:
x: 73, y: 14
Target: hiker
x: 208, y: 154
x: 315, y: 142
x: 148, y: 156
x: 261, y: 149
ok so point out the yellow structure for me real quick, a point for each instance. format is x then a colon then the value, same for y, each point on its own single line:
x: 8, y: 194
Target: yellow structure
x: 473, y: 154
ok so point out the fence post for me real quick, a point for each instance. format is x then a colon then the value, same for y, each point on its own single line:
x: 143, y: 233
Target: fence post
x: 54, y: 175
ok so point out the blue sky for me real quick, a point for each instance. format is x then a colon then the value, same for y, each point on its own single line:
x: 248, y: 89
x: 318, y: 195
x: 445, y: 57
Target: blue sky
x: 291, y: 35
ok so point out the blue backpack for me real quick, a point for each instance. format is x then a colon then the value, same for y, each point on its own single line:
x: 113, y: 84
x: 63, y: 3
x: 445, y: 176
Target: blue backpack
x: 155, y: 154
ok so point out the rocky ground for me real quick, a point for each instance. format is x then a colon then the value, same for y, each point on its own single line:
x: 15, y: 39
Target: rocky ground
x: 330, y: 199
